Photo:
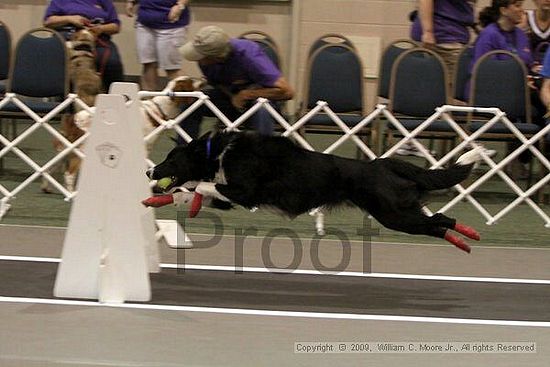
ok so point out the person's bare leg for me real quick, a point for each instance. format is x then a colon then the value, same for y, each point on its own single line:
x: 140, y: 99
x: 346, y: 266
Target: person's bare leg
x: 149, y: 77
x: 172, y: 74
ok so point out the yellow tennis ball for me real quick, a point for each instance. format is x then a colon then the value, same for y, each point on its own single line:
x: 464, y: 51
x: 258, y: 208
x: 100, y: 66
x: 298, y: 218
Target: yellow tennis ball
x: 163, y: 183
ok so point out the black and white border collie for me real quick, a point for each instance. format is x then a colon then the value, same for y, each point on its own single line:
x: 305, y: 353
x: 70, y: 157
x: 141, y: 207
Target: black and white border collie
x: 252, y: 170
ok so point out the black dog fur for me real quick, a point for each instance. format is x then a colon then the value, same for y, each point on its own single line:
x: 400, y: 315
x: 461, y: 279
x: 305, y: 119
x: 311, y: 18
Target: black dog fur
x: 274, y: 171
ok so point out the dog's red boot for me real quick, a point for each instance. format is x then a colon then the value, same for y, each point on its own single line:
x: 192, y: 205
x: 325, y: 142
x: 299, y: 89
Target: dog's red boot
x: 458, y: 242
x: 196, y: 205
x: 467, y: 231
x: 158, y: 201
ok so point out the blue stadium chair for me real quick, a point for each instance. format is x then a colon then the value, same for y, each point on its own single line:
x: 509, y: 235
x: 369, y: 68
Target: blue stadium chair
x: 39, y: 73
x: 462, y: 73
x: 389, y: 55
x: 419, y: 84
x: 5, y: 55
x: 499, y: 79
x: 334, y: 74
x: 267, y: 43
x: 330, y: 39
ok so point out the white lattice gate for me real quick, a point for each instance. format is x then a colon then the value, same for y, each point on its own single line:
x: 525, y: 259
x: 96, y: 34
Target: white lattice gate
x: 292, y: 130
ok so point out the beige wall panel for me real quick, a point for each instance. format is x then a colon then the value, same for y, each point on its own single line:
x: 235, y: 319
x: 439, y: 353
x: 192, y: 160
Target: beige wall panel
x: 386, y: 19
x: 275, y: 20
x: 22, y: 15
x: 387, y: 12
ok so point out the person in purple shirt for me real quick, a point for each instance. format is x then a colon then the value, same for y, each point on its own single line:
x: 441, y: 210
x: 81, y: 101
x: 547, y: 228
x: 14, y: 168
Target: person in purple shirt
x: 501, y: 32
x: 161, y: 29
x: 444, y: 26
x: 238, y: 72
x: 100, y: 17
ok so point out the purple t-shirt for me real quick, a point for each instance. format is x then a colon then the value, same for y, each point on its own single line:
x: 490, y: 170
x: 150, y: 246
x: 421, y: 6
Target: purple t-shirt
x: 247, y: 64
x: 494, y: 38
x: 102, y: 11
x: 154, y: 14
x: 451, y: 20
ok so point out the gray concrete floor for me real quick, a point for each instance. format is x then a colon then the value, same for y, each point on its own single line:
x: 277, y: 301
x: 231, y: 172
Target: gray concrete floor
x: 35, y: 333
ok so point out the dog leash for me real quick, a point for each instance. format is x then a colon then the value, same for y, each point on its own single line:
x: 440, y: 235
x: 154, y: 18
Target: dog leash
x: 106, y: 55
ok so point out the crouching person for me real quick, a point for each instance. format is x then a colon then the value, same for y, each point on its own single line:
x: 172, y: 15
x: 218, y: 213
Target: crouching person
x: 237, y: 72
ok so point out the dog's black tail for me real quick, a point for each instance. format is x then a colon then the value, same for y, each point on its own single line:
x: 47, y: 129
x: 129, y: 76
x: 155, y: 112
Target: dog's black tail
x: 437, y: 179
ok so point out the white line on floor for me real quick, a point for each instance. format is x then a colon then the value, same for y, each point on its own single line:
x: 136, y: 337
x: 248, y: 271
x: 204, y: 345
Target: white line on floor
x: 252, y: 312
x: 313, y: 272
x: 477, y: 246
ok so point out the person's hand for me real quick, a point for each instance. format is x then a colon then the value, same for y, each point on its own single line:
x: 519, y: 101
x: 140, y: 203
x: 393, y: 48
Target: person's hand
x: 96, y: 30
x: 175, y: 13
x: 240, y: 99
x: 79, y: 21
x: 130, y: 9
x: 428, y: 39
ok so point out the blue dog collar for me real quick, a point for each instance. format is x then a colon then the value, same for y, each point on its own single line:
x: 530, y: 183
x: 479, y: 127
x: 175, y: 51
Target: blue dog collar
x: 208, y: 148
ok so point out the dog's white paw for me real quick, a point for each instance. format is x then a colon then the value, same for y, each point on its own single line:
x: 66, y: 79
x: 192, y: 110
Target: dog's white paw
x: 470, y: 157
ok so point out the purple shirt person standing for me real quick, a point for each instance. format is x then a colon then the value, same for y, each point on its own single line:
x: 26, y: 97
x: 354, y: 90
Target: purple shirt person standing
x: 155, y: 14
x: 450, y: 21
x: 444, y: 27
x: 161, y: 29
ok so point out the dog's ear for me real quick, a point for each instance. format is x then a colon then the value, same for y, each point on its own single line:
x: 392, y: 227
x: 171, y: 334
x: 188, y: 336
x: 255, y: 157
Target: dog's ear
x: 199, y: 83
x: 184, y: 85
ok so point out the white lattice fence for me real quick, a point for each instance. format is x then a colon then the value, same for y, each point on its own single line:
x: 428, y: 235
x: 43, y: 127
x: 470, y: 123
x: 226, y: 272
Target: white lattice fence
x: 292, y: 130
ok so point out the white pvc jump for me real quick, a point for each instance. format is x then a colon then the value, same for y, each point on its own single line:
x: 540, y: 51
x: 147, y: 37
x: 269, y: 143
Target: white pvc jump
x: 110, y: 246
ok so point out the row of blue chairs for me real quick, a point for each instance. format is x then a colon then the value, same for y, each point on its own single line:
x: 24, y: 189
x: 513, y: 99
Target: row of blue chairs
x: 414, y: 82
x: 413, y: 79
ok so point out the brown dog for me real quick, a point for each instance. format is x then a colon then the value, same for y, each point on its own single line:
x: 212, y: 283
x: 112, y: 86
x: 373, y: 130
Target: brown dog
x: 154, y: 111
x: 84, y: 76
x: 86, y: 83
x: 157, y: 109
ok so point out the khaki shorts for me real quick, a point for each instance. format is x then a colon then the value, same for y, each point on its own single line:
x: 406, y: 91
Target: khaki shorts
x: 449, y: 52
x: 160, y: 46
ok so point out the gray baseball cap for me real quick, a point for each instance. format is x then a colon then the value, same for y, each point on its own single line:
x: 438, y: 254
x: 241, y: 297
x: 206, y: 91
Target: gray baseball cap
x: 208, y: 41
